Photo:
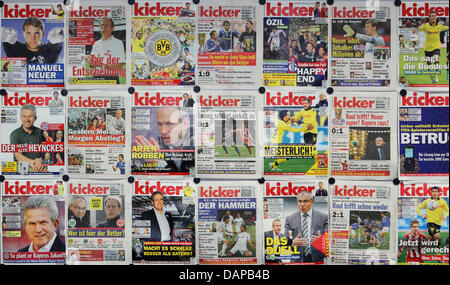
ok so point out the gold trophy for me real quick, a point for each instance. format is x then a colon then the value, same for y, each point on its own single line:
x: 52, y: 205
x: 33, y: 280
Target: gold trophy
x: 358, y: 144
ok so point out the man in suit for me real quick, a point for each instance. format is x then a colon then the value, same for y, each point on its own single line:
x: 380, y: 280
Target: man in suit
x: 78, y: 215
x: 380, y: 151
x: 40, y: 217
x: 161, y: 222
x: 112, y: 207
x: 321, y: 191
x: 274, y: 238
x: 305, y: 226
x: 187, y: 100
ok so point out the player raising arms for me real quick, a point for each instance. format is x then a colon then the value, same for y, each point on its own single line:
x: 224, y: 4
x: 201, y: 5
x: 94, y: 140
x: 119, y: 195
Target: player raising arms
x: 434, y: 214
x: 240, y: 243
x: 413, y: 239
x: 432, y: 48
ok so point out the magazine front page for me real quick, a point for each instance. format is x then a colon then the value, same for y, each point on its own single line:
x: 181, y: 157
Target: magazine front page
x: 423, y: 43
x: 33, y: 222
x: 163, y: 222
x: 97, y: 45
x: 423, y: 223
x: 295, y: 133
x: 361, y: 214
x: 295, y: 222
x: 363, y: 135
x: 362, y: 50
x: 295, y: 43
x: 32, y: 52
x: 229, y: 223
x: 97, y: 227
x: 423, y: 135
x: 162, y: 133
x: 163, y: 43
x: 229, y: 35
x: 226, y: 134
x: 97, y: 132
x: 32, y: 127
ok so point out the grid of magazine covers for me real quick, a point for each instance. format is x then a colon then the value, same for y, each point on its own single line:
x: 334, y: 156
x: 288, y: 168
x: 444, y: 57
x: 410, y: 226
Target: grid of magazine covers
x: 224, y: 132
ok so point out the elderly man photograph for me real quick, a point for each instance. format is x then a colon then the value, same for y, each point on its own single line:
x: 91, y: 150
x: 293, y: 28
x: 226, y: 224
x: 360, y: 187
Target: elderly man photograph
x: 40, y: 218
x: 305, y: 226
x: 112, y: 207
x: 161, y: 221
x: 78, y: 215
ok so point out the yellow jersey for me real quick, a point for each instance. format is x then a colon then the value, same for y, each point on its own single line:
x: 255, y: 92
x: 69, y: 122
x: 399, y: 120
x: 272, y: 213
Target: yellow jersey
x: 138, y: 45
x: 309, y: 118
x: 281, y: 128
x: 187, y: 191
x: 432, y: 35
x: 436, y: 215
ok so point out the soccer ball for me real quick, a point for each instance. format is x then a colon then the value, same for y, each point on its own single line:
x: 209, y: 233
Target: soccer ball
x: 432, y: 205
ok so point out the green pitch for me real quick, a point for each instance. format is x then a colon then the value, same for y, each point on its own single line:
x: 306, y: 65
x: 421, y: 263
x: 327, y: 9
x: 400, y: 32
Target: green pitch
x: 292, y: 165
x: 220, y: 153
x: 366, y: 245
x: 252, y: 231
x: 402, y: 258
x: 424, y: 78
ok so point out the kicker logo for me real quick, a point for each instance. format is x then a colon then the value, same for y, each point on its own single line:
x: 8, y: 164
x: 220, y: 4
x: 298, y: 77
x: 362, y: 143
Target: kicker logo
x: 288, y: 190
x: 219, y: 12
x: 423, y: 190
x: 353, y: 103
x: 26, y: 12
x: 17, y: 100
x: 88, y: 190
x: 88, y: 102
x: 353, y: 13
x: 17, y: 189
x: 289, y: 100
x: 156, y: 10
x: 147, y: 100
x: 353, y: 192
x: 219, y: 192
x: 89, y: 12
x: 424, y: 100
x: 147, y: 188
x: 290, y: 10
x: 422, y: 11
x: 218, y: 102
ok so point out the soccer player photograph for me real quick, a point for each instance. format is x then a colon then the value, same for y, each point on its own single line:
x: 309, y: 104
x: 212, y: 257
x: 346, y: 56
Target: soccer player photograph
x: 308, y: 114
x: 120, y: 164
x: 275, y: 39
x: 240, y: 243
x: 248, y: 38
x: 213, y: 43
x: 225, y: 234
x: 412, y: 241
x: 432, y: 47
x: 227, y: 36
x: 436, y: 213
x: 33, y: 49
x: 371, y: 38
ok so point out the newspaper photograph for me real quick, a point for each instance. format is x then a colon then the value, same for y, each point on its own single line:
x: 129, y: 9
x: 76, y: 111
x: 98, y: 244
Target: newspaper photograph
x: 363, y: 135
x: 423, y: 135
x: 295, y: 134
x: 423, y: 223
x: 423, y: 44
x: 33, y: 222
x: 32, y: 140
x: 295, y: 222
x: 32, y: 52
x: 163, y: 43
x: 98, y: 229
x: 295, y: 43
x: 97, y: 45
x: 229, y: 225
x: 228, y: 34
x: 361, y: 215
x: 162, y: 133
x: 97, y: 128
x: 226, y: 134
x: 163, y: 222
x: 362, y: 54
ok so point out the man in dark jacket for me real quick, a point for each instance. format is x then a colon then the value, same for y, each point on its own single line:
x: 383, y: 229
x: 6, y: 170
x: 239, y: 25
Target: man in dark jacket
x: 161, y: 222
x: 113, y: 208
x: 78, y: 216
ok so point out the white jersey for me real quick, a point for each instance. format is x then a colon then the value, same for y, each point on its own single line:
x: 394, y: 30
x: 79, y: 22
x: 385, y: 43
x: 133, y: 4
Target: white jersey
x: 371, y: 42
x: 110, y: 49
x: 241, y: 241
x: 226, y: 230
x: 275, y: 37
x: 238, y: 222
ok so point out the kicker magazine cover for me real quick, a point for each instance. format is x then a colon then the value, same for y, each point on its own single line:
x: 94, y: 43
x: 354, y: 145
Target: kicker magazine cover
x: 295, y: 222
x: 163, y: 43
x: 295, y: 133
x: 33, y: 39
x: 295, y: 44
x: 163, y: 222
x: 423, y: 43
x: 423, y: 223
x: 33, y: 222
x: 98, y: 227
x: 32, y: 127
x: 97, y: 44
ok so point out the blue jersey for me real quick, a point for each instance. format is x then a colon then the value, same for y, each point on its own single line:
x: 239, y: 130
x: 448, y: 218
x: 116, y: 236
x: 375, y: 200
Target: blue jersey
x: 355, y: 226
x: 386, y: 222
x: 212, y: 46
x: 227, y: 39
x: 121, y: 166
